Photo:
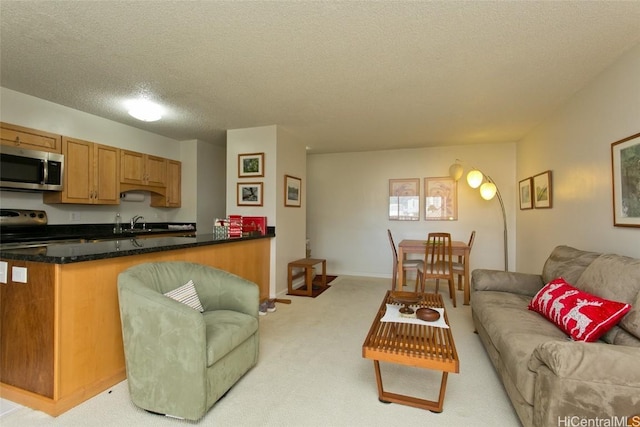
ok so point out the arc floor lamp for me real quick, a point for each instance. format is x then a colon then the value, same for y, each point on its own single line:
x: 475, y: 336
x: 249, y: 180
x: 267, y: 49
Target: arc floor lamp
x: 488, y: 190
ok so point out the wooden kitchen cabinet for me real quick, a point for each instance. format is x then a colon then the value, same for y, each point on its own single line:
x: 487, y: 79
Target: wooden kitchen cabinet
x: 27, y: 329
x: 173, y: 197
x: 90, y: 176
x: 31, y: 139
x: 142, y: 169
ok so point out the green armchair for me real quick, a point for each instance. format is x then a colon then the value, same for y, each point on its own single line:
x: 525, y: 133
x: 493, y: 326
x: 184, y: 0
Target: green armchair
x: 180, y: 361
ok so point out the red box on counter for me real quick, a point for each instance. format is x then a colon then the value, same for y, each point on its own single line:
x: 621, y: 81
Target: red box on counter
x: 235, y: 225
x: 253, y: 224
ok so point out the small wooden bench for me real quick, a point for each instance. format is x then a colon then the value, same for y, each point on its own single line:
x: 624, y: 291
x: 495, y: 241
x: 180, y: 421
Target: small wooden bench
x: 307, y: 265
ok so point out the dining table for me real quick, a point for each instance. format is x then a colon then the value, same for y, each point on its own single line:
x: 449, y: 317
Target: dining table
x: 458, y: 248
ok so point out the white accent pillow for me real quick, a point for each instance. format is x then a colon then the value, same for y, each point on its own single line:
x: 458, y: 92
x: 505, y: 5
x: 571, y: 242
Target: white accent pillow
x: 186, y: 294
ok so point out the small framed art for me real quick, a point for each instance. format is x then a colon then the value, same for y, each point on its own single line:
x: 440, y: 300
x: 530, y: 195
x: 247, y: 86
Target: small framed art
x: 249, y: 194
x: 440, y: 199
x: 526, y: 202
x: 625, y: 169
x: 292, y: 191
x: 542, y: 190
x: 404, y: 199
x: 250, y: 165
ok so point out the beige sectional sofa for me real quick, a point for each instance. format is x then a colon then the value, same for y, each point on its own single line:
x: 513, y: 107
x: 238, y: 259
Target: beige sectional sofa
x: 551, y: 379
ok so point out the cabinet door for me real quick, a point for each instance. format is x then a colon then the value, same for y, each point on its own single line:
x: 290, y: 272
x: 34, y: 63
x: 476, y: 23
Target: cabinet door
x: 132, y: 167
x: 27, y: 329
x: 78, y: 171
x: 155, y: 171
x: 106, y: 168
x: 31, y: 139
x: 174, y: 183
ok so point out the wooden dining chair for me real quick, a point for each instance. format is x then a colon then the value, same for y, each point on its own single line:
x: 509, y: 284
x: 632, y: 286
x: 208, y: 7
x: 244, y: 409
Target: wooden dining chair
x: 407, y: 265
x: 458, y: 267
x: 438, y: 260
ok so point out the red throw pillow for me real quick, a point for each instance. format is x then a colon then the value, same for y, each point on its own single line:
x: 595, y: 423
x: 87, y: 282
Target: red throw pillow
x: 583, y: 316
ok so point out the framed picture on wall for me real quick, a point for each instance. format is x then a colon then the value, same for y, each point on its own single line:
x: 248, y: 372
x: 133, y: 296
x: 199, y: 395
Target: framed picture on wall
x: 249, y: 194
x: 440, y: 199
x: 625, y: 169
x: 542, y: 190
x: 526, y: 201
x: 250, y: 165
x: 404, y: 199
x: 292, y: 191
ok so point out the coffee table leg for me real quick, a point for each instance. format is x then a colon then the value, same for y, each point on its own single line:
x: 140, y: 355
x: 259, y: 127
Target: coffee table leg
x: 386, y: 397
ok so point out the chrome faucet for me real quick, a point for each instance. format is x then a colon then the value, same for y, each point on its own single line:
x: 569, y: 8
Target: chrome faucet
x: 135, y: 220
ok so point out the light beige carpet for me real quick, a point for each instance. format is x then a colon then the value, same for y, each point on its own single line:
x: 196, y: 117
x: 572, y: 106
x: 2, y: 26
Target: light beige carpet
x: 311, y: 373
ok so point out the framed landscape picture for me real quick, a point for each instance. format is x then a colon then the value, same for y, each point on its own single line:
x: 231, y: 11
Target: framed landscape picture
x: 625, y: 169
x: 249, y: 194
x: 250, y: 165
x: 542, y: 190
x: 292, y: 191
x: 440, y: 199
x: 526, y: 185
x: 404, y: 199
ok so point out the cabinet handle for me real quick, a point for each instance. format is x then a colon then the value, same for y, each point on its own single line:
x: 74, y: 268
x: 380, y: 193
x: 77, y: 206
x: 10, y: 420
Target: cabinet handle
x: 17, y: 140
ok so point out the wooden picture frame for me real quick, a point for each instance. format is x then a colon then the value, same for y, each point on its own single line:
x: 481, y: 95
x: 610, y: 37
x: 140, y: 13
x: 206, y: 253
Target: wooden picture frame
x: 249, y: 193
x: 250, y: 165
x: 525, y: 193
x: 292, y: 191
x: 625, y: 173
x: 542, y: 191
x: 404, y: 199
x: 440, y: 199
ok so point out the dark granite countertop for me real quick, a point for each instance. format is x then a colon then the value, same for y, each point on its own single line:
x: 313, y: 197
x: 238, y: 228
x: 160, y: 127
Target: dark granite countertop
x: 65, y: 253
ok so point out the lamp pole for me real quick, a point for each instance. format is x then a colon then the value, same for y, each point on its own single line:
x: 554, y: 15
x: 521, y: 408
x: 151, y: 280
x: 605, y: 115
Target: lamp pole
x: 504, y: 221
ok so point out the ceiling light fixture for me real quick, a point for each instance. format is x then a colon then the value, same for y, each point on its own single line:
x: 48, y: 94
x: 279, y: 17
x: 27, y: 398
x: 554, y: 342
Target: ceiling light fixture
x: 488, y: 189
x: 145, y: 110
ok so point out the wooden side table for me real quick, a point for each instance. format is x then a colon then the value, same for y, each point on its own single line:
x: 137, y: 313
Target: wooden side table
x: 307, y: 265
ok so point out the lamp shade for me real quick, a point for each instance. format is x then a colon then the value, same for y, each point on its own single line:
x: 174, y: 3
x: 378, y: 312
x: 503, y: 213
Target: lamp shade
x: 488, y: 190
x: 474, y: 178
x: 455, y: 171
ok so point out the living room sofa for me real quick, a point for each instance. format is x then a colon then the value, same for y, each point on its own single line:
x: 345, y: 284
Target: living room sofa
x: 550, y: 378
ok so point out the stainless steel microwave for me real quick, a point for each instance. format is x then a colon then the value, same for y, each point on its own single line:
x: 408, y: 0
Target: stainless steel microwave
x: 22, y: 169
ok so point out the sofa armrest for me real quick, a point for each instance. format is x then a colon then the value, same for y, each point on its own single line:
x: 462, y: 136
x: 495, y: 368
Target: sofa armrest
x: 589, y: 362
x: 506, y: 281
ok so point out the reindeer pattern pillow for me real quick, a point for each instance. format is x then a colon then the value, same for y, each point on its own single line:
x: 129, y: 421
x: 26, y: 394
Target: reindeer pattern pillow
x: 583, y: 316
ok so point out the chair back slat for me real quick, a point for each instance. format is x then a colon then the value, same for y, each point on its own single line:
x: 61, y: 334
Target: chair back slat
x: 438, y: 255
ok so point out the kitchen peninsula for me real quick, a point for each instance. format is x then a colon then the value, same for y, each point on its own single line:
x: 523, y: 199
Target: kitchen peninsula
x: 61, y: 341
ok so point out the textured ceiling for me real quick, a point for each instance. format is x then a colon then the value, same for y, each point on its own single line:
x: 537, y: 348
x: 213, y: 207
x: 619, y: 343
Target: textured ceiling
x: 340, y: 76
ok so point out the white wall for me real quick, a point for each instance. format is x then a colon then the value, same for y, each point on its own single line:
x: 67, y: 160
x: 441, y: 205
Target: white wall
x: 211, y: 182
x: 291, y: 222
x: 575, y: 143
x: 347, y: 197
x: 25, y: 110
x: 282, y: 155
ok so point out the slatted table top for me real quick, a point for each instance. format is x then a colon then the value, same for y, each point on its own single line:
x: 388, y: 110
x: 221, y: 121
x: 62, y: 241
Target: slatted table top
x: 411, y: 344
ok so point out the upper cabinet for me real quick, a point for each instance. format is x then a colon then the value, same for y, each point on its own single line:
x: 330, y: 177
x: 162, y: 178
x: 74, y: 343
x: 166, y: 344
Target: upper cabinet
x: 91, y: 174
x: 142, y: 169
x: 31, y: 139
x: 172, y: 199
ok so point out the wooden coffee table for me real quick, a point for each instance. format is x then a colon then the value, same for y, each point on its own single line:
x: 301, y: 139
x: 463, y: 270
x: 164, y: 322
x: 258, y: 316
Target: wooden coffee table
x: 409, y: 344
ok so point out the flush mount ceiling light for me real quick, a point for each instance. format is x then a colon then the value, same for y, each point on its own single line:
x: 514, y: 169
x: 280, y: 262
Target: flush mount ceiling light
x: 145, y: 110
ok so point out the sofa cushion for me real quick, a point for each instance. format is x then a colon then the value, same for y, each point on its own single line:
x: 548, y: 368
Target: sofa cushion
x: 616, y: 277
x: 186, y: 294
x: 583, y: 316
x: 515, y: 332
x: 567, y: 262
x: 226, y: 330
